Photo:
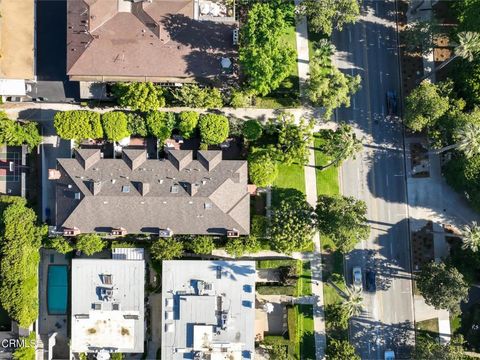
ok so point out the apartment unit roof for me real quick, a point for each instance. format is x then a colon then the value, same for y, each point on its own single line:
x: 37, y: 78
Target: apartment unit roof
x: 155, y: 40
x: 16, y: 39
x: 206, y: 195
x: 209, y: 309
x: 107, y: 305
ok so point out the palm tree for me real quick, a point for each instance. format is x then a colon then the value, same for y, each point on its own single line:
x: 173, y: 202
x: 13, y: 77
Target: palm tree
x: 346, y: 143
x: 353, y: 301
x: 468, y: 140
x: 468, y: 46
x: 471, y: 237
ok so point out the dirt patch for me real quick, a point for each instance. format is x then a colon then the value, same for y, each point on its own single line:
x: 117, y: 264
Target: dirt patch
x: 419, y: 165
x: 422, y: 246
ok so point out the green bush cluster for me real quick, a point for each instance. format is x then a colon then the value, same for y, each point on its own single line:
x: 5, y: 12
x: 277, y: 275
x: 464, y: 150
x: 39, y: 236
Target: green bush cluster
x: 160, y: 124
x: 19, y: 258
x: 143, y: 96
x: 17, y: 133
x: 192, y: 95
x: 115, y: 125
x: 213, y: 128
x: 78, y: 125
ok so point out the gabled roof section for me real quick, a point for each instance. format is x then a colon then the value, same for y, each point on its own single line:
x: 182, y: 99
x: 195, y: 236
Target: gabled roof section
x: 87, y: 157
x: 134, y: 157
x: 180, y: 158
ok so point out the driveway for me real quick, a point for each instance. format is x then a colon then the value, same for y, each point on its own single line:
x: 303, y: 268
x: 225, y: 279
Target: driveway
x: 52, y: 82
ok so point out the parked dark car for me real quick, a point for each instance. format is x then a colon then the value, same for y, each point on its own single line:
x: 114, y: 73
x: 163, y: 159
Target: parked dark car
x: 370, y: 280
x: 391, y: 102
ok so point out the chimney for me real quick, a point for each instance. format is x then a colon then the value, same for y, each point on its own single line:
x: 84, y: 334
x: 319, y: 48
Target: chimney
x: 95, y: 187
x: 143, y: 188
x: 192, y: 188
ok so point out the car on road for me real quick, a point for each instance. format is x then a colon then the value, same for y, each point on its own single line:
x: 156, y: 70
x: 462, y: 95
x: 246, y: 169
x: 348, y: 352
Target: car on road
x: 370, y: 280
x: 391, y: 102
x: 389, y: 355
x: 357, y: 276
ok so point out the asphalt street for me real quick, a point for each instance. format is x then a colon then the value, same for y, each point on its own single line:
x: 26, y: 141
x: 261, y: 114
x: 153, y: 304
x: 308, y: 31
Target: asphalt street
x: 377, y: 176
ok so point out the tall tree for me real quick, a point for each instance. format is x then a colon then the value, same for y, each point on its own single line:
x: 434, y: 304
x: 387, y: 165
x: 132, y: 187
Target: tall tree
x: 115, y: 125
x: 292, y: 224
x: 428, y: 348
x: 293, y: 139
x: 471, y: 237
x: 90, y: 244
x: 325, y: 15
x: 266, y: 59
x: 341, y: 144
x: 442, y: 286
x: 143, y: 96
x: 327, y: 86
x: 213, y: 128
x: 424, y: 106
x: 468, y: 140
x: 353, y: 301
x: 262, y: 168
x: 166, y: 249
x: 341, y: 350
x: 160, y: 124
x: 343, y: 219
x: 467, y: 47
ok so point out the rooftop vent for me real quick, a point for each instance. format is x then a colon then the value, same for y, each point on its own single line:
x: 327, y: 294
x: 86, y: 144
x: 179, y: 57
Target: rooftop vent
x: 165, y: 232
x: 97, y: 306
x: 208, y: 206
x: 116, y: 306
x: 125, y: 188
x: 174, y: 189
x: 233, y: 233
x: 130, y: 317
x: 107, y: 279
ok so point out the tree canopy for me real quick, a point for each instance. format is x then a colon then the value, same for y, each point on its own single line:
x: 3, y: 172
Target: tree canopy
x: 266, y: 59
x: 136, y: 124
x: 213, y: 128
x: 201, y: 244
x: 160, y: 124
x: 340, y: 144
x: 442, y: 286
x: 325, y: 15
x: 167, y: 248
x: 343, y: 220
x: 292, y: 224
x: 341, y: 350
x: 89, y: 244
x: 242, y: 245
x: 17, y: 133
x: 327, y: 86
x: 78, y: 125
x: 262, y: 167
x: 191, y: 95
x: 115, y: 125
x: 424, y: 106
x: 143, y: 96
x: 252, y: 130
x: 293, y: 139
x: 19, y: 258
x: 60, y: 244
x: 428, y: 348
x: 187, y: 123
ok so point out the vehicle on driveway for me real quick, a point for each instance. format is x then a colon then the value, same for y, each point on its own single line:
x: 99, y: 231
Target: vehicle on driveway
x: 357, y: 277
x: 370, y: 280
x: 391, y: 102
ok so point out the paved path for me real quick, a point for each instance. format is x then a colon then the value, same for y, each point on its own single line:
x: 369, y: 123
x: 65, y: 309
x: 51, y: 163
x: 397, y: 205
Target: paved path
x: 303, y: 58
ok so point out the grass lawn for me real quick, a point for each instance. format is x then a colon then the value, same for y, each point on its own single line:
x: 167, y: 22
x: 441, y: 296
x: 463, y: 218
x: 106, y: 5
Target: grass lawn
x: 305, y: 280
x: 455, y: 323
x: 289, y: 177
x: 305, y: 330
x: 430, y: 325
x: 327, y: 180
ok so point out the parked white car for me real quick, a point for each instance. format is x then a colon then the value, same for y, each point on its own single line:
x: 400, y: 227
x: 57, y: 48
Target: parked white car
x: 357, y: 277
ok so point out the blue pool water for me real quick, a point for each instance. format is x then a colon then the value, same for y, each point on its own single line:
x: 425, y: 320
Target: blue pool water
x: 57, y: 289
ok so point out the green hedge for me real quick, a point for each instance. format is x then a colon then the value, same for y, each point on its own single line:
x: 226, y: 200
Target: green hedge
x: 276, y: 290
x: 275, y: 264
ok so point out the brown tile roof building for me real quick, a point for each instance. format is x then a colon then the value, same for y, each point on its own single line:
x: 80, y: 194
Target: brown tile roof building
x: 156, y: 40
x: 207, y: 195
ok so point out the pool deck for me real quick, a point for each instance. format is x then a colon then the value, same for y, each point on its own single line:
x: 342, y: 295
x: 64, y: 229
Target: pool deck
x: 48, y: 324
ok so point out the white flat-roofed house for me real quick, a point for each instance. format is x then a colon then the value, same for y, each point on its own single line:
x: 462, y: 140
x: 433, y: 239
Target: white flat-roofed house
x: 107, y: 305
x: 208, y: 310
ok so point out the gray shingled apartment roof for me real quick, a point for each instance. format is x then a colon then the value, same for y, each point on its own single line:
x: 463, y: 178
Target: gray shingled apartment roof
x: 206, y: 195
x: 157, y: 40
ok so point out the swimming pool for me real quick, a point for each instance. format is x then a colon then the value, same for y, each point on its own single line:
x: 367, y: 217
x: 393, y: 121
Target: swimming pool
x: 57, y: 289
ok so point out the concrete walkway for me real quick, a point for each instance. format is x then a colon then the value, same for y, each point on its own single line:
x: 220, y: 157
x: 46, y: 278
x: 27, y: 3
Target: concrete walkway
x: 303, y: 59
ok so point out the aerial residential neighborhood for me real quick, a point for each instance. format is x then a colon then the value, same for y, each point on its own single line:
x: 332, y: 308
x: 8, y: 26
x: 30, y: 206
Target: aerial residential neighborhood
x: 239, y: 179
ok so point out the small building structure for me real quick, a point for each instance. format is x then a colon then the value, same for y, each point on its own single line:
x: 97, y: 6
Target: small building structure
x: 209, y: 310
x: 107, y: 306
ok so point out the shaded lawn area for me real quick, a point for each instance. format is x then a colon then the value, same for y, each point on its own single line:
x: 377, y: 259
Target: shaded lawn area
x: 305, y: 280
x: 306, y: 330
x: 289, y: 177
x: 429, y: 326
x: 470, y: 327
x: 327, y: 180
